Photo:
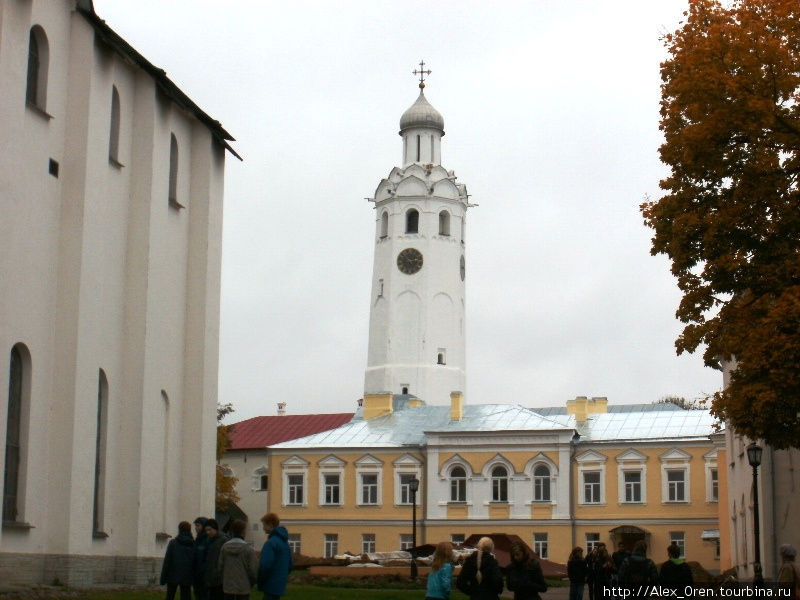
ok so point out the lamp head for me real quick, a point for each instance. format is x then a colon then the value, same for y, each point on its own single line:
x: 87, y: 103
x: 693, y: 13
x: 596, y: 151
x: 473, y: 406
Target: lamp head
x: 754, y: 454
x: 414, y: 485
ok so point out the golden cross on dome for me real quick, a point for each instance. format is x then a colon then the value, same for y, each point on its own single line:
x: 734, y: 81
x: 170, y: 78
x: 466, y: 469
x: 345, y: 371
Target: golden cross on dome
x: 422, y: 72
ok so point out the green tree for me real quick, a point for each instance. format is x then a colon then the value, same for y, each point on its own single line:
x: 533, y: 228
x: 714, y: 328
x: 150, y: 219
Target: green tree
x: 729, y: 216
x: 226, y: 485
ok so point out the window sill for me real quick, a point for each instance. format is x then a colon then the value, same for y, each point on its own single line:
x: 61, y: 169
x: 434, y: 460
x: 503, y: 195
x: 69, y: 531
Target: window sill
x: 631, y: 502
x: 38, y: 110
x: 675, y: 502
x: 330, y: 505
x: 369, y: 505
x: 19, y: 525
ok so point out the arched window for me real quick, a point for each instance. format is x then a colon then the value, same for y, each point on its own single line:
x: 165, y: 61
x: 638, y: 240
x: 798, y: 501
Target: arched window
x: 384, y: 224
x: 173, y: 171
x: 412, y: 221
x: 18, y: 381
x: 499, y: 484
x: 113, y: 134
x: 100, y: 454
x: 458, y: 484
x: 444, y: 223
x: 38, y: 60
x: 541, y: 483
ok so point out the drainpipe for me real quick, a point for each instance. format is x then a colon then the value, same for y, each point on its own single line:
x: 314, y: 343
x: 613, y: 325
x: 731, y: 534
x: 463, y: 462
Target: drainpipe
x: 575, y: 439
x: 775, y: 554
x: 424, y: 502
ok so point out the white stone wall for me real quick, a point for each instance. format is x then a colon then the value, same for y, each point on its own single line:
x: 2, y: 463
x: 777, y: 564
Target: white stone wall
x: 99, y: 272
x: 252, y: 500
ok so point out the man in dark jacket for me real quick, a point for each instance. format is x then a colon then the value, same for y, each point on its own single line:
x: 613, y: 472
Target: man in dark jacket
x: 178, y: 568
x: 201, y: 542
x: 480, y: 577
x: 618, y: 558
x: 637, y: 569
x: 212, y: 576
x: 276, y: 558
x: 524, y: 575
x: 675, y: 573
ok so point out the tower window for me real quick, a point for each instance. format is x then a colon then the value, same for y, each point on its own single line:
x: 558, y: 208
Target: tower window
x: 441, y: 357
x: 113, y: 136
x: 173, y: 172
x: 412, y: 221
x: 36, y: 90
x: 380, y: 287
x: 384, y: 224
x: 405, y: 391
x: 418, y: 148
x: 13, y: 474
x: 444, y: 223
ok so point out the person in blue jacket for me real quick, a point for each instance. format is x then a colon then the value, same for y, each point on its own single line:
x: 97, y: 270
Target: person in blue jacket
x: 276, y: 559
x: 440, y: 578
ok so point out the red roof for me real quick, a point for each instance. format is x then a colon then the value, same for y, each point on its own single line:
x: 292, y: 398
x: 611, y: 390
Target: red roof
x: 260, y: 432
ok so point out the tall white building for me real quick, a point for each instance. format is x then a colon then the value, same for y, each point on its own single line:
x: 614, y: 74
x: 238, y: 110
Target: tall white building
x: 416, y: 326
x: 111, y: 186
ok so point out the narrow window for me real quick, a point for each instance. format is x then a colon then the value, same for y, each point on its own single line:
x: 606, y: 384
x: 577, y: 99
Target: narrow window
x: 100, y: 453
x: 369, y: 489
x: 440, y: 358
x: 165, y: 478
x: 264, y: 483
x: 458, y: 485
x: 676, y: 485
x: 405, y: 488
x: 418, y: 147
x: 405, y: 390
x: 11, y: 474
x: 331, y: 545
x: 541, y: 483
x: 540, y: 544
x: 384, y: 224
x: 113, y: 135
x: 714, y: 486
x: 173, y: 171
x: 412, y: 221
x: 591, y: 487
x: 36, y: 90
x: 367, y: 543
x: 380, y: 287
x: 295, y: 485
x: 633, y: 486
x: 444, y: 223
x: 499, y: 484
x: 432, y: 159
x: 332, y: 489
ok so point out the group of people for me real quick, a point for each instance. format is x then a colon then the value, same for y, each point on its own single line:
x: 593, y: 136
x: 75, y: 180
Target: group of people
x: 219, y: 567
x: 481, y: 578
x: 599, y: 570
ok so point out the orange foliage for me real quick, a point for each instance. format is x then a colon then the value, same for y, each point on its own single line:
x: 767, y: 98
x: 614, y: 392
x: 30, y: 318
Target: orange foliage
x: 226, y: 484
x: 729, y: 217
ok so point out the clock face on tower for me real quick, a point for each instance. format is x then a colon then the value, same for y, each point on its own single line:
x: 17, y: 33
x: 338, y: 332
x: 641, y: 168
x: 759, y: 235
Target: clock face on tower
x: 409, y: 261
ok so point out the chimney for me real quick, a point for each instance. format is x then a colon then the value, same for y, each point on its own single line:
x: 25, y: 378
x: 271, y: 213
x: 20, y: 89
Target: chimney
x: 281, y: 409
x: 456, y: 406
x: 360, y: 402
x: 376, y: 405
x: 578, y: 408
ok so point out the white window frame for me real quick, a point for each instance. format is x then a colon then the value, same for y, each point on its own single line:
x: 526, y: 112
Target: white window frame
x: 500, y: 492
x: 369, y: 465
x: 635, y: 486
x: 406, y: 541
x: 675, y: 460
x: 540, y: 479
x: 462, y: 484
x: 631, y: 461
x: 330, y: 545
x: 591, y: 461
x: 295, y: 543
x: 258, y: 473
x: 407, y: 464
x: 291, y: 489
x: 710, y: 468
x: 295, y: 465
x: 540, y: 541
x: 368, y: 543
x: 679, y: 539
x: 676, y: 488
x: 331, y: 465
x: 591, y: 543
x: 498, y: 460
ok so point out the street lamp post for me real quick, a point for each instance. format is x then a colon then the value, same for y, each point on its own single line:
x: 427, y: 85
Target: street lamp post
x: 413, y: 486
x: 754, y: 458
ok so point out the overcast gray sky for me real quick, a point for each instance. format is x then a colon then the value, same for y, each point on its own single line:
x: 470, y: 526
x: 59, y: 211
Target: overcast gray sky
x: 551, y: 120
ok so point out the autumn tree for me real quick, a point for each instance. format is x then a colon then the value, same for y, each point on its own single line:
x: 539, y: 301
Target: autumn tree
x: 226, y: 485
x: 729, y: 216
x: 681, y: 402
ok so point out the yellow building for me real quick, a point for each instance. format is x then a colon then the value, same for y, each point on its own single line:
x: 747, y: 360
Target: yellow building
x: 557, y: 477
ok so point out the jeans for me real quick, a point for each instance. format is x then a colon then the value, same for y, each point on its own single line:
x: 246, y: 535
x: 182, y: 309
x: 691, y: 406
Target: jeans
x: 576, y: 591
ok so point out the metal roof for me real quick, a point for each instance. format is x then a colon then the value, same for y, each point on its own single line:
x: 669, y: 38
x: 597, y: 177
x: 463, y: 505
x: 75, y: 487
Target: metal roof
x: 408, y: 426
x: 260, y: 432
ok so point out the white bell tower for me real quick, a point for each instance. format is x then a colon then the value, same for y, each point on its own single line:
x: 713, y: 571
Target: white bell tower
x: 417, y: 307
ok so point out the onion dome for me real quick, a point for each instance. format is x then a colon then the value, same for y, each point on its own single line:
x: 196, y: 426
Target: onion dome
x: 421, y: 114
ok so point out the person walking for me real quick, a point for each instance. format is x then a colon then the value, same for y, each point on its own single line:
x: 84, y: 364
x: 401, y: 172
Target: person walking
x: 637, y: 569
x: 177, y: 571
x: 440, y: 578
x: 237, y: 564
x: 201, y: 542
x: 480, y: 577
x: 603, y: 575
x: 675, y: 573
x: 789, y: 573
x: 524, y: 574
x: 276, y: 559
x: 576, y: 572
x: 212, y: 577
